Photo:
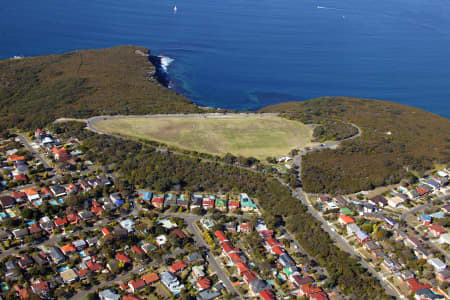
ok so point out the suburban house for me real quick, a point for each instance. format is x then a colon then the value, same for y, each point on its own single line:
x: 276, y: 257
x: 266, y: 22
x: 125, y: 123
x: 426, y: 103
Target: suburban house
x: 247, y: 204
x: 436, y: 230
x: 158, y: 201
x: 379, y: 201
x: 345, y: 220
x: 395, y: 201
x: 221, y: 204
x: 208, y: 202
x: 233, y: 204
x: 437, y: 264
x: 7, y: 202
x: 171, y: 282
x: 178, y: 266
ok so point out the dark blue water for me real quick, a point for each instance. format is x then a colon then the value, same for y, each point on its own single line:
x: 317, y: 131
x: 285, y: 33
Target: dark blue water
x: 248, y: 54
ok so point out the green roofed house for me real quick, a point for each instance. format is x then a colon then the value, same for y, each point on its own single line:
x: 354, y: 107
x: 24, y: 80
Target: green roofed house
x: 247, y: 204
x: 221, y: 204
x: 346, y: 211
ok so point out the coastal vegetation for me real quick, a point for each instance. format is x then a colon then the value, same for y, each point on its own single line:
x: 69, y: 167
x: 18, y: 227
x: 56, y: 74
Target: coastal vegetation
x: 142, y: 166
x: 248, y: 136
x: 35, y: 91
x: 396, y: 140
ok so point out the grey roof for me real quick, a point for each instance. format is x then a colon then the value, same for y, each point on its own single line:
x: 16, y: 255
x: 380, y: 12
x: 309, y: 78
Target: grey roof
x: 86, y: 215
x: 108, y: 294
x: 58, y: 190
x: 7, y: 201
x: 20, y: 233
x: 208, y: 295
x: 259, y: 285
x: 428, y: 294
x: 194, y: 257
x: 371, y: 245
x: 56, y: 255
x: 286, y: 260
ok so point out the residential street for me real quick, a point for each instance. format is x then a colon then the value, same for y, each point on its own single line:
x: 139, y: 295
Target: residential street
x: 26, y: 143
x: 190, y: 221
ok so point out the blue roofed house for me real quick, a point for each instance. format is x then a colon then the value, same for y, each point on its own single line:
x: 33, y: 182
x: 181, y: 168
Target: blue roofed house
x: 247, y: 204
x: 436, y: 185
x: 146, y: 196
x: 425, y: 219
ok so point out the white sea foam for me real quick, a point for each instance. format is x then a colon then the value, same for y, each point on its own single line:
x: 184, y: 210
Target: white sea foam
x: 17, y: 57
x: 324, y: 7
x: 165, y: 62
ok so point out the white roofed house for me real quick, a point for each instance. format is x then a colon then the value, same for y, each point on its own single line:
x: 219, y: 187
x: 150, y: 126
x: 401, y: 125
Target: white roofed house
x: 445, y: 238
x: 395, y: 201
x: 437, y: 264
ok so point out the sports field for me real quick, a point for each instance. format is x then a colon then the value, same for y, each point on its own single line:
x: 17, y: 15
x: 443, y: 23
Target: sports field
x: 257, y: 136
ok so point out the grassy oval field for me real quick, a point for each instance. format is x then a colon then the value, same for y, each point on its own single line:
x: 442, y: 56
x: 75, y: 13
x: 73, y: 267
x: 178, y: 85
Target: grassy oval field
x: 257, y: 136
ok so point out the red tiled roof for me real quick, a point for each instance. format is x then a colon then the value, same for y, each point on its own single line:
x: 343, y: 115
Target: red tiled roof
x: 40, y: 285
x: 277, y: 250
x: 60, y: 221
x: 20, y: 177
x: 68, y: 248
x: 180, y: 265
x: 73, y: 218
x: 233, y: 204
x: 245, y: 227
x: 96, y: 209
x: 15, y: 157
x: 122, y: 257
x: 94, y: 266
x: 30, y: 191
x: 221, y: 236
x: 249, y: 276
x: 319, y: 296
x: 83, y: 272
x: 150, y: 278
x: 346, y: 219
x: 437, y: 228
x: 179, y: 233
x: 415, y: 285
x: 45, y: 191
x: 242, y: 267
x: 34, y: 228
x: 131, y: 297
x: 421, y: 191
x: 106, y: 231
x: 309, y: 289
x: 273, y: 242
x: 205, y: 283
x: 158, y: 200
x: 18, y: 195
x: 267, y: 295
x: 235, y: 257
x: 227, y: 247
x: 137, y: 284
x: 137, y: 249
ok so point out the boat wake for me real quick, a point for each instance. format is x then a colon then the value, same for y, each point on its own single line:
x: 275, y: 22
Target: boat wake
x: 324, y: 7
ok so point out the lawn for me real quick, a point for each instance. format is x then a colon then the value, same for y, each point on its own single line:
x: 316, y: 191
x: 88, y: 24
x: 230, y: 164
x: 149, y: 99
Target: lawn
x: 255, y: 136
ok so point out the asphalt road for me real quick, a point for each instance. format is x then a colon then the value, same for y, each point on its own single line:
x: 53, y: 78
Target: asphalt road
x: 33, y: 151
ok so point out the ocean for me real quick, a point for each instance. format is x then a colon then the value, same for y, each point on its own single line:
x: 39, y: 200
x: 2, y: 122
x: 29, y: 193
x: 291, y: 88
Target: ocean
x: 245, y: 55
